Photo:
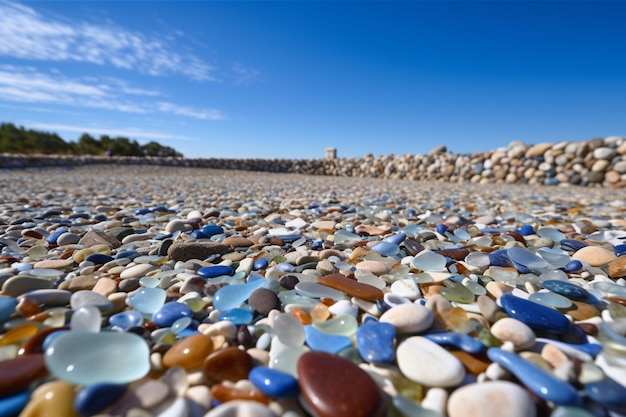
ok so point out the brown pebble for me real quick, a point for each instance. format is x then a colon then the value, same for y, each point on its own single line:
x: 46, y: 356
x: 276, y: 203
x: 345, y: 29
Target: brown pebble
x: 97, y: 237
x: 589, y: 328
x: 79, y: 283
x: 616, y: 268
x: 264, y: 300
x: 105, y: 286
x: 456, y: 254
x: 553, y: 355
x: 189, y: 353
x: 229, y: 364
x: 223, y: 393
x: 19, y: 373
x: 333, y: 386
x: 185, y: 251
x: 582, y: 311
x: 351, y: 287
x: 237, y: 242
x: 475, y: 363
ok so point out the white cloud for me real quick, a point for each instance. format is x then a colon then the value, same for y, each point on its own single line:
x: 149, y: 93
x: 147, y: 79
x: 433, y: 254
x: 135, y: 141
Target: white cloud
x: 27, y: 85
x: 125, y: 132
x: 29, y: 35
x: 204, y: 114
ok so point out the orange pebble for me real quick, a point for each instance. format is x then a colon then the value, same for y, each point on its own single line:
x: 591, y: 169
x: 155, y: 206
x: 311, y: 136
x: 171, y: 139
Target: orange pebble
x: 17, y: 334
x: 301, y: 315
x: 320, y: 313
x: 222, y: 393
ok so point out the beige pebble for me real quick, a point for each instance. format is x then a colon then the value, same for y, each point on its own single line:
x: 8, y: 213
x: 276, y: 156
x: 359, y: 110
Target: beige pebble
x: 594, y: 255
x: 512, y: 330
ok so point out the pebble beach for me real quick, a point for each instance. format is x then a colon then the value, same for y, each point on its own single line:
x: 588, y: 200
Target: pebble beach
x: 171, y: 291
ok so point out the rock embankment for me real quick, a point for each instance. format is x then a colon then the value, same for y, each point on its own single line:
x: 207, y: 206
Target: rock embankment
x: 596, y: 162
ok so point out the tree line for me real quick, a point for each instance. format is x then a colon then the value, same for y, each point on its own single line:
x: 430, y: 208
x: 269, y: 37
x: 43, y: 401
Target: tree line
x: 27, y: 141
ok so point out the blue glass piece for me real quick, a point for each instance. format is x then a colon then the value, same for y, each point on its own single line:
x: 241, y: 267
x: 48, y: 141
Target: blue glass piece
x: 521, y: 268
x: 169, y: 312
x: 212, y: 230
x: 92, y: 399
x: 160, y: 208
x: 232, y: 296
x: 98, y: 258
x: 285, y: 267
x: 566, y: 289
x: 317, y: 244
x: 540, y: 382
x: 500, y: 257
x: 442, y: 228
x: 317, y: 340
x: 274, y: 383
x: 142, y: 211
x: 290, y: 238
x: 12, y: 405
x: 607, y: 392
x: 574, y: 266
x: 462, y: 341
x: 375, y: 342
x: 236, y: 316
x: 130, y: 254
x: 162, y: 236
x: 198, y: 234
x: 148, y: 300
x: 620, y: 249
x: 396, y: 239
x: 7, y: 307
x: 572, y: 244
x: 526, y: 230
x: 215, y: 271
x: 54, y: 236
x: 535, y: 315
x: 126, y: 319
x: 260, y: 264
x: 386, y: 248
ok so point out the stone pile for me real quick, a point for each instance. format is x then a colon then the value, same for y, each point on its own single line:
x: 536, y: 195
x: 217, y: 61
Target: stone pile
x: 596, y: 162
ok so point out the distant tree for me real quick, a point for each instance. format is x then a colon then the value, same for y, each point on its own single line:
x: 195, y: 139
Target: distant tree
x: 155, y: 149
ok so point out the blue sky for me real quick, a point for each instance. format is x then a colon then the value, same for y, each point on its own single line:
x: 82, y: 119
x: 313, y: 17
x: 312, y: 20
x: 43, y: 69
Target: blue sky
x: 288, y: 79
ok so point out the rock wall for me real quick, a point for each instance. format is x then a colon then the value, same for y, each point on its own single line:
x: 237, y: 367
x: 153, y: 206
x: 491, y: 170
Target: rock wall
x: 596, y: 162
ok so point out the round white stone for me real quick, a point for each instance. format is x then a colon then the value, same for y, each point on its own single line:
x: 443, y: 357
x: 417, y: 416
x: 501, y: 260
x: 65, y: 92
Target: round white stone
x: 512, y: 330
x: 491, y: 399
x: 408, y: 318
x: 427, y: 363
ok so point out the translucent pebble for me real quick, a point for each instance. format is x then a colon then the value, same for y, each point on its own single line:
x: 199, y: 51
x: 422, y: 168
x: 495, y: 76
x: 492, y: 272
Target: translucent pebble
x: 551, y: 233
x: 428, y: 260
x: 86, y: 297
x: 232, y: 296
x: 105, y: 357
x: 180, y: 325
x: 149, y: 282
x: 477, y: 259
x: 126, y: 319
x: 343, y: 325
x: 610, y: 288
x: 550, y: 300
x: 343, y: 307
x: 474, y: 287
x: 570, y: 411
x: 555, y: 274
x: 345, y: 237
x: 287, y: 360
x: 236, y: 316
x: 372, y: 280
x: 558, y: 258
x: 147, y: 300
x: 263, y: 342
x: 386, y: 248
x: 315, y: 290
x: 457, y: 292
x: 527, y: 258
x: 288, y: 330
x: 462, y: 233
x: 87, y: 318
x: 500, y: 274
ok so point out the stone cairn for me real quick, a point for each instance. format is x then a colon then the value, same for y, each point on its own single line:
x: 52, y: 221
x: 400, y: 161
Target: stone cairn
x: 596, y: 162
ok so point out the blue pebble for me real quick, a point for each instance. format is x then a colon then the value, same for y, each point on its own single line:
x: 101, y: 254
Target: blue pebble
x: 540, y: 382
x: 215, y: 271
x: 98, y: 258
x: 526, y: 230
x: 500, y: 257
x: 160, y: 208
x: 236, y: 316
x: 285, y: 267
x: 375, y: 342
x: 317, y: 244
x: 566, y: 289
x: 290, y: 238
x: 574, y: 266
x: 54, y: 236
x: 126, y: 319
x: 11, y: 406
x: 411, y: 212
x: 212, y: 230
x: 169, y: 312
x: 142, y: 211
x: 459, y: 340
x: 395, y: 238
x: 386, y: 248
x: 189, y: 331
x: 92, y: 399
x: 535, y: 315
x: 330, y: 343
x: 7, y: 307
x: 260, y: 264
x: 442, y: 228
x: 130, y: 254
x: 607, y: 392
x: 163, y: 236
x: 572, y: 244
x: 521, y: 268
x: 199, y: 234
x: 274, y: 383
x: 382, y: 306
x: 620, y: 249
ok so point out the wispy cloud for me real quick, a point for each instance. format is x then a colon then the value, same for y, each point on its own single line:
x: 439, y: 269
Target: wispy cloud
x: 125, y: 132
x: 29, y: 35
x: 28, y: 85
